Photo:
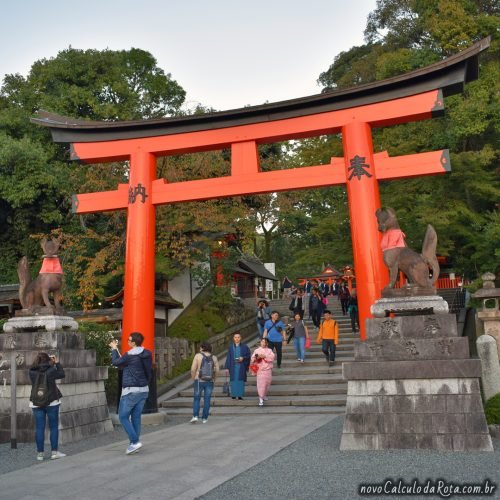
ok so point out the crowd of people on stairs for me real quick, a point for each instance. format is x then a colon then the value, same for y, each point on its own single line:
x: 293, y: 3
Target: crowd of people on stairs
x: 273, y: 335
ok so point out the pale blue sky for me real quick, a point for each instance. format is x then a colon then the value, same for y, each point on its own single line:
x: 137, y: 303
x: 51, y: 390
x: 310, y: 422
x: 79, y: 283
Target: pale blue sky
x: 225, y: 54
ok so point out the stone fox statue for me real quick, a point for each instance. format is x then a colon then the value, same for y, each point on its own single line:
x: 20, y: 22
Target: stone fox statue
x: 34, y: 295
x: 397, y: 256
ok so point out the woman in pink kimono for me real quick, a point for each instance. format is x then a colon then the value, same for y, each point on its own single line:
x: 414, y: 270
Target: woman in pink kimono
x: 264, y: 357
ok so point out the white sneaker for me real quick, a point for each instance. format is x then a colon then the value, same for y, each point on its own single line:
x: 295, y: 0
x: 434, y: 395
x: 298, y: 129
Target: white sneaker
x: 261, y: 402
x: 57, y: 454
x: 133, y: 448
x: 39, y: 456
x: 204, y: 421
x: 193, y: 420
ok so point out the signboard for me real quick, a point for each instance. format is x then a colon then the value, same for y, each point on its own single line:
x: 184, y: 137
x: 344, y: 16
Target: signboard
x: 271, y: 267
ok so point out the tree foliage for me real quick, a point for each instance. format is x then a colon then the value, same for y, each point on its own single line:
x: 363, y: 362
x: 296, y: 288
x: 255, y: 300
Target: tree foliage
x: 300, y: 230
x: 401, y: 36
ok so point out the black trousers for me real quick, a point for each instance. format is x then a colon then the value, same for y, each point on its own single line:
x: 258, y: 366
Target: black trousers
x: 328, y: 347
x: 316, y: 317
x: 354, y: 320
x: 344, y: 304
x: 278, y: 346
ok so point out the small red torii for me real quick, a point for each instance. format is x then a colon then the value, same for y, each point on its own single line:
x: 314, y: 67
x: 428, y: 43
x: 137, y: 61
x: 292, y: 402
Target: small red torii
x: 352, y: 112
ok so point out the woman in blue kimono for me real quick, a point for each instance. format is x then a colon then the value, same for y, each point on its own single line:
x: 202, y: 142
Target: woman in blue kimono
x: 237, y: 363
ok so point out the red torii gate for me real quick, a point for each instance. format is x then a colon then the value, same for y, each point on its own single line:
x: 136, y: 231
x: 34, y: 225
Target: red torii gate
x: 352, y: 112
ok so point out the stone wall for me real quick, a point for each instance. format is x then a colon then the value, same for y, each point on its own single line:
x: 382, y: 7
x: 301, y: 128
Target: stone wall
x: 84, y: 410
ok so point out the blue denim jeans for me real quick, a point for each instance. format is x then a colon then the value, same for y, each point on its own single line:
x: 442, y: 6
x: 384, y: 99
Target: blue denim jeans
x: 130, y: 411
x: 300, y: 347
x: 260, y: 329
x: 206, y: 388
x: 41, y: 414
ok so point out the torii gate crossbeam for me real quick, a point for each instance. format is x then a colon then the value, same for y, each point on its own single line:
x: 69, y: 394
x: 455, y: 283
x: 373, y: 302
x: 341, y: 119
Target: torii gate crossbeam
x: 353, y: 113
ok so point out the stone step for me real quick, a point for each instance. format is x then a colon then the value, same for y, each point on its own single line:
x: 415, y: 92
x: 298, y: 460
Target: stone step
x: 287, y: 390
x: 309, y: 370
x: 300, y: 379
x: 341, y: 347
x: 258, y: 410
x: 316, y: 400
x: 318, y: 363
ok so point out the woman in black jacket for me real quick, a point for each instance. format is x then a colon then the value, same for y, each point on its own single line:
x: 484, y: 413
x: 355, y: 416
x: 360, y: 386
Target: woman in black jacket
x: 48, y: 366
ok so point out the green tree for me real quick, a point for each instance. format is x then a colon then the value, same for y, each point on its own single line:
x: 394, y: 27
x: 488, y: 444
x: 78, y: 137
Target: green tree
x: 36, y: 177
x: 403, y: 35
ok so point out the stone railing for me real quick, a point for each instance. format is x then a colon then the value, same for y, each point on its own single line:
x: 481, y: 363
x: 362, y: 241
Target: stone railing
x: 169, y: 351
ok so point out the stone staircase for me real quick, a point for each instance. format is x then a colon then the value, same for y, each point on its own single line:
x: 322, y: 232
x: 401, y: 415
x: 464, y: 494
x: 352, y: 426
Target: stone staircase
x: 311, y: 387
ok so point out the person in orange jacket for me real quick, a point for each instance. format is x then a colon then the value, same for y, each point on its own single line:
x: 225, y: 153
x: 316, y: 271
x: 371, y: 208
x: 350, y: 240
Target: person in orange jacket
x: 328, y: 336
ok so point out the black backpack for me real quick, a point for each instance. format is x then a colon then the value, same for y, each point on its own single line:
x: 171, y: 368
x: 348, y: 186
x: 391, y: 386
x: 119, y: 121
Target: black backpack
x: 207, y: 370
x: 40, y: 390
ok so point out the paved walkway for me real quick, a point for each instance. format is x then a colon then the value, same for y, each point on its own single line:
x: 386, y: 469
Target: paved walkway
x: 181, y: 462
x: 252, y: 457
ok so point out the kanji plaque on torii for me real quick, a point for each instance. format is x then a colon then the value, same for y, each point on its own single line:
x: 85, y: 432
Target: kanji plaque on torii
x: 351, y: 112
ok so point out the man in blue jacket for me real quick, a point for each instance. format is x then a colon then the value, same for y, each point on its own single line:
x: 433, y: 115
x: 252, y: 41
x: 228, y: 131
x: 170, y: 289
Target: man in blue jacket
x: 274, y: 331
x: 137, y: 367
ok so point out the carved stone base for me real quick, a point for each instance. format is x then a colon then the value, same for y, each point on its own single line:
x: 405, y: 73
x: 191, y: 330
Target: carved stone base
x: 429, y: 413
x: 413, y: 386
x: 84, y: 410
x: 40, y: 311
x: 49, y: 323
x: 432, y: 303
x: 408, y: 291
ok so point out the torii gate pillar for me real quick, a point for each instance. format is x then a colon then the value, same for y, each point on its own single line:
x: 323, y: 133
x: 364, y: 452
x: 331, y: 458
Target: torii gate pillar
x: 138, y: 299
x: 364, y: 200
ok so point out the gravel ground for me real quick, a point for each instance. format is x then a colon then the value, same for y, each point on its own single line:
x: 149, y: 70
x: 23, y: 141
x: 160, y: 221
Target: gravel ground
x: 25, y: 454
x: 314, y: 468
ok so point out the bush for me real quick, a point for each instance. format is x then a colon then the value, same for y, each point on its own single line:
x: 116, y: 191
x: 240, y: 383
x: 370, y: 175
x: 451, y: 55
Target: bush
x: 213, y: 320
x: 221, y: 299
x: 99, y: 341
x: 190, y: 327
x: 492, y: 410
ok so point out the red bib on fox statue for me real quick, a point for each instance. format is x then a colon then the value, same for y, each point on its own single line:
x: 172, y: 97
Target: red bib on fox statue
x: 393, y: 238
x: 51, y: 265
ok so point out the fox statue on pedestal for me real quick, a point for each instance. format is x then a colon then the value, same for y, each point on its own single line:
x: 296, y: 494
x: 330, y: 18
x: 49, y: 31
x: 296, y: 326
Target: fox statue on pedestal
x: 34, y: 294
x: 397, y: 256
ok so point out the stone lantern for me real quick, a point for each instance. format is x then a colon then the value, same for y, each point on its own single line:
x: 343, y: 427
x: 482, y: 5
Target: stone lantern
x: 490, y: 316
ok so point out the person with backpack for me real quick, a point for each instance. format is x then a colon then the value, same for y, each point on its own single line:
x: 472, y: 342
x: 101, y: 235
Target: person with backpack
x: 137, y: 370
x: 204, y: 370
x: 274, y: 332
x: 45, y: 400
x: 328, y: 336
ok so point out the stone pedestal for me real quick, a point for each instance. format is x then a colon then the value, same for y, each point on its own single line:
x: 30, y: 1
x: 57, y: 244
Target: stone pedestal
x: 413, y: 386
x: 49, y: 323
x: 84, y: 410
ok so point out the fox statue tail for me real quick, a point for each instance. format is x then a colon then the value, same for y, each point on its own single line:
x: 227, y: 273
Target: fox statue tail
x: 429, y: 252
x: 23, y: 271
